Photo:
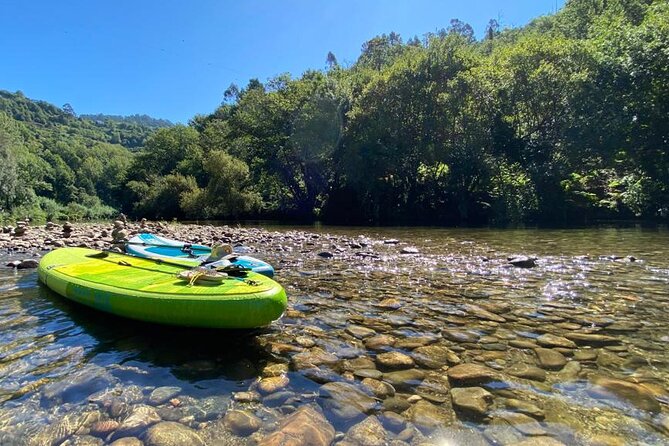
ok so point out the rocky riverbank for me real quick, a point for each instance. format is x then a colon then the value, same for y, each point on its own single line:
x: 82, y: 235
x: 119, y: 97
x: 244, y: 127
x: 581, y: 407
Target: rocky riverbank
x: 387, y: 341
x: 23, y: 243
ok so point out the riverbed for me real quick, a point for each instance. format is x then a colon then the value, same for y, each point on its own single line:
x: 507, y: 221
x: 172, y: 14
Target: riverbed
x: 392, y: 336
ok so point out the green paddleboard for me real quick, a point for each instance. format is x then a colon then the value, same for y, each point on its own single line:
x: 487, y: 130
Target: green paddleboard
x: 150, y: 290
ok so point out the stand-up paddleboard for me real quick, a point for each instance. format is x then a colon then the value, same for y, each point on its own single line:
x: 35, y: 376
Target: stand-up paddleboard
x: 153, y: 246
x: 161, y: 292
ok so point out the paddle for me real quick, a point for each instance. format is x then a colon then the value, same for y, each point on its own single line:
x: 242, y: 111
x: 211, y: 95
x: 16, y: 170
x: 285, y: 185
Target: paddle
x: 235, y: 272
x: 187, y: 246
x: 231, y: 270
x: 102, y: 255
x: 161, y: 245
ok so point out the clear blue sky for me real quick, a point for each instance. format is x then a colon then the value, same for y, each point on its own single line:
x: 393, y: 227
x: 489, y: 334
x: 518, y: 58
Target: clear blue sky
x: 174, y: 58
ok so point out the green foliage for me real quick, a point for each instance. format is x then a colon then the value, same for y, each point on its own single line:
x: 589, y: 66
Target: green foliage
x: 227, y: 193
x: 9, y: 140
x: 51, y: 209
x: 528, y: 124
x: 161, y: 196
x: 46, y: 119
x: 54, y: 164
x: 564, y: 120
x: 141, y: 120
x: 170, y: 149
x: 514, y: 194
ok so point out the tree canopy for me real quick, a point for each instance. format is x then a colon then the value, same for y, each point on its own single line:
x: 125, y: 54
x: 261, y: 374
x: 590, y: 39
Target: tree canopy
x: 563, y: 120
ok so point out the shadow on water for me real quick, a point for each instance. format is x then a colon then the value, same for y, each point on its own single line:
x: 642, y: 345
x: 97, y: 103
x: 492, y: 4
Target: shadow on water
x: 189, y: 354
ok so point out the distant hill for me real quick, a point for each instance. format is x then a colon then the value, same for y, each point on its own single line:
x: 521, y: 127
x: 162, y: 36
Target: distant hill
x: 43, y: 118
x: 144, y: 120
x: 57, y: 165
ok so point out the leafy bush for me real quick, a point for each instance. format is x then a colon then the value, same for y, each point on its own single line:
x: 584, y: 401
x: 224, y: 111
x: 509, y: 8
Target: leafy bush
x: 514, y: 194
x: 161, y: 199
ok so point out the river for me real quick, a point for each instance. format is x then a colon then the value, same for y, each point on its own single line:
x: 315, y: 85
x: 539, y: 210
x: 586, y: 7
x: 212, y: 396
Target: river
x: 453, y: 345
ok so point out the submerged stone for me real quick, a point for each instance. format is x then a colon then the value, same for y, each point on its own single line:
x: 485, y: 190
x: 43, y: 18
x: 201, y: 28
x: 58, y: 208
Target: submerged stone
x: 345, y: 400
x: 241, y: 422
x: 169, y: 433
x: 428, y: 417
x: 272, y: 384
x: 527, y: 371
x: 592, y: 339
x: 435, y: 356
x: 394, y: 361
x: 305, y: 427
x: 525, y: 407
x: 380, y: 342
x: 360, y: 332
x: 471, y: 374
x: 380, y: 389
x: 140, y: 418
x: 368, y: 432
x: 549, y: 340
x: 434, y: 388
x: 163, y: 394
x: 471, y: 401
x: 550, y: 359
x: 521, y: 422
x: 404, y: 379
x: 612, y: 388
x: 460, y: 335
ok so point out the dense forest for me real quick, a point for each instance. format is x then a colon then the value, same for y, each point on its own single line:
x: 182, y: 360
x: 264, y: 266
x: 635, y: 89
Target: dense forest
x: 145, y: 121
x: 55, y: 165
x: 565, y: 120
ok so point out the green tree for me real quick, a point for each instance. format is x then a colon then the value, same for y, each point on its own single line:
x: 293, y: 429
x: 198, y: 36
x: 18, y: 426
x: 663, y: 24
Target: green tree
x: 228, y: 192
x: 161, y: 196
x: 171, y: 149
x: 9, y: 140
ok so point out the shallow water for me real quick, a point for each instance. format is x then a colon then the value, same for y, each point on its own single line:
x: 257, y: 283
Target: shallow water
x: 64, y: 368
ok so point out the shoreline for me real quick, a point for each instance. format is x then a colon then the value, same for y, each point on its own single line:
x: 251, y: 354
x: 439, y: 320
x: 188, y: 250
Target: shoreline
x: 31, y: 242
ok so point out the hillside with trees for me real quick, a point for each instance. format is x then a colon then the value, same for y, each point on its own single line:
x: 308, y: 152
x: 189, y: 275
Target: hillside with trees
x: 565, y: 120
x: 54, y: 164
x: 145, y: 121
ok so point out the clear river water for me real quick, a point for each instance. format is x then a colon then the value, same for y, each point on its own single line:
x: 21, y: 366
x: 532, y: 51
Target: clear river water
x: 447, y: 343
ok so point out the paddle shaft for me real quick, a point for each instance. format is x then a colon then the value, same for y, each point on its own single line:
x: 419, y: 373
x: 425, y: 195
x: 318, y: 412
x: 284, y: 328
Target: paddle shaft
x: 152, y: 259
x: 160, y: 245
x: 159, y: 261
x: 229, y: 257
